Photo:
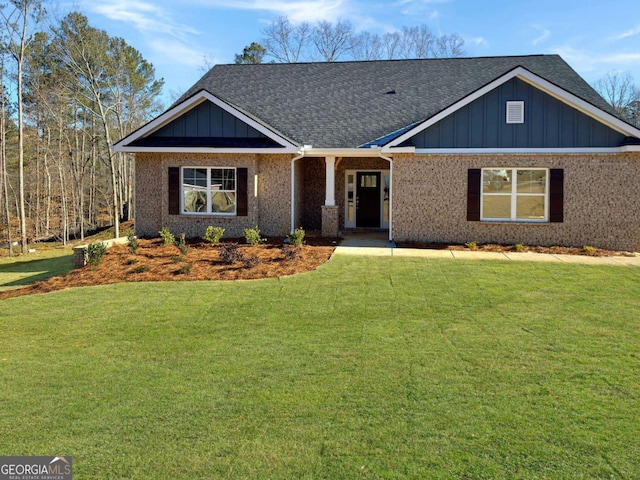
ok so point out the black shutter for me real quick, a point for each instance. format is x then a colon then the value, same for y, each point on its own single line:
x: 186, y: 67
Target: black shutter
x: 473, y: 194
x: 242, y: 201
x: 174, y: 191
x: 556, y: 195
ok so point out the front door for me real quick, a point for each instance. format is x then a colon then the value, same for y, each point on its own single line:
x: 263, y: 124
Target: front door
x: 368, y: 199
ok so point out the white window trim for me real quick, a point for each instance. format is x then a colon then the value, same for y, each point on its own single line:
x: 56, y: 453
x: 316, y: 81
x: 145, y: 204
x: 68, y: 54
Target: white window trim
x: 209, y: 192
x: 514, y: 197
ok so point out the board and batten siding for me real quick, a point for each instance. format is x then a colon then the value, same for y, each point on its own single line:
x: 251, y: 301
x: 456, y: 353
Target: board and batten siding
x: 548, y: 123
x: 207, y: 120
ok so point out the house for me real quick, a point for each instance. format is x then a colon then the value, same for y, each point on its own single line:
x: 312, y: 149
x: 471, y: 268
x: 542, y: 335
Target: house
x: 516, y: 149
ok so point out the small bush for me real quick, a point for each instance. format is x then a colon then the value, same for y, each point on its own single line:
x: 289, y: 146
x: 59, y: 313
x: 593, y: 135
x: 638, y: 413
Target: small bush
x: 94, y: 253
x: 471, y: 245
x: 297, y: 237
x: 182, y: 244
x: 251, y: 261
x: 519, y: 247
x: 213, y: 235
x: 132, y: 243
x: 185, y: 269
x: 589, y: 250
x: 140, y: 269
x: 131, y: 261
x: 177, y: 259
x: 290, y: 252
x: 230, y: 254
x: 167, y: 237
x: 252, y: 236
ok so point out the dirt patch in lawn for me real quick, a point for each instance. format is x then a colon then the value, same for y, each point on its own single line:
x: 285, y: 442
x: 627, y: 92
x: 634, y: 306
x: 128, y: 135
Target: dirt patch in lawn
x: 154, y: 262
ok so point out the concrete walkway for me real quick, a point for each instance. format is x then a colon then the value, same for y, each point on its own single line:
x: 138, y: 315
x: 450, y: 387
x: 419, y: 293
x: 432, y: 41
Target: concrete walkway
x: 469, y: 255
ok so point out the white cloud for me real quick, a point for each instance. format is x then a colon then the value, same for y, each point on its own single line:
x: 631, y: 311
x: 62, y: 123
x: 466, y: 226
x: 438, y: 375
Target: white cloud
x: 144, y: 16
x: 628, y: 33
x: 297, y: 10
x: 175, y: 52
x: 480, y: 41
x: 585, y: 61
x: 543, y: 36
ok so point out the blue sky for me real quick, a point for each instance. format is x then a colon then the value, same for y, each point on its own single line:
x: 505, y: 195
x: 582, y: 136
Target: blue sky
x: 593, y: 36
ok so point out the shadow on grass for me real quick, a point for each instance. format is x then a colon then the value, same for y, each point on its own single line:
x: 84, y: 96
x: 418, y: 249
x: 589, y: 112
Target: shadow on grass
x: 22, y: 273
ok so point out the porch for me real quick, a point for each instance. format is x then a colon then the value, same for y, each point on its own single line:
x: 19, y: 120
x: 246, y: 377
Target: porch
x: 342, y: 194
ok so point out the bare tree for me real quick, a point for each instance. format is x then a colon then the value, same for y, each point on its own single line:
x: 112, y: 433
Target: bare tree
x: 286, y: 42
x: 17, y: 23
x: 620, y: 90
x: 332, y: 41
x: 367, y: 46
x: 4, y: 194
x: 448, y: 46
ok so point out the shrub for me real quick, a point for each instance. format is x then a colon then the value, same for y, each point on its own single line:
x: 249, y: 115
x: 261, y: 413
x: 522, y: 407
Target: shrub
x: 230, y: 254
x: 182, y: 244
x: 185, y: 269
x: 297, y: 237
x: 519, y: 247
x: 472, y: 245
x: 167, y: 237
x: 131, y: 261
x: 94, y: 253
x: 252, y: 236
x: 251, y: 261
x: 589, y: 250
x: 140, y: 269
x: 133, y: 243
x: 213, y: 235
x: 290, y: 252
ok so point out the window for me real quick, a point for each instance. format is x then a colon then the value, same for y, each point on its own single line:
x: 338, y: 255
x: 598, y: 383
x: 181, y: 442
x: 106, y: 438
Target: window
x: 209, y: 191
x: 515, y: 112
x: 514, y: 194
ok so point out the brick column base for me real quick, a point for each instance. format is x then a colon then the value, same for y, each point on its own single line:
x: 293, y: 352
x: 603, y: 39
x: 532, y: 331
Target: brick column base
x: 329, y: 221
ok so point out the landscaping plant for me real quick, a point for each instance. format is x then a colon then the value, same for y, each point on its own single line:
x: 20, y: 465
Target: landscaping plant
x: 213, y: 235
x: 167, y: 237
x: 252, y: 236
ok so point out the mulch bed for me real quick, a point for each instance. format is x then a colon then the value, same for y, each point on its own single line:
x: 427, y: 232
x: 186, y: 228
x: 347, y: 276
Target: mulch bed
x: 494, y: 247
x: 154, y: 262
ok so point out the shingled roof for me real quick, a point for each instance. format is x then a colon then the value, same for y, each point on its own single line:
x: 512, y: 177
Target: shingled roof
x: 350, y: 104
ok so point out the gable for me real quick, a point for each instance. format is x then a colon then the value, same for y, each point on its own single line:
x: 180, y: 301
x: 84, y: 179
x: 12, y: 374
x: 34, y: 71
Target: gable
x: 205, y: 123
x: 210, y: 125
x: 548, y: 123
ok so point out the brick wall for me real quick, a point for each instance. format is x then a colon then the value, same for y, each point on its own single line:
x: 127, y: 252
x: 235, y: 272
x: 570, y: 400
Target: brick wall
x: 270, y: 210
x: 601, y: 200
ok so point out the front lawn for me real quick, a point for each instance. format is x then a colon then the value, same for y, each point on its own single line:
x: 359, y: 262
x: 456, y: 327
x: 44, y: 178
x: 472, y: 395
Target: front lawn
x: 369, y: 367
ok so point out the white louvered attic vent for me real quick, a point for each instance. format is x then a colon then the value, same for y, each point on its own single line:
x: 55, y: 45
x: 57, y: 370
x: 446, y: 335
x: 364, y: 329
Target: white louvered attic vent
x: 515, y: 112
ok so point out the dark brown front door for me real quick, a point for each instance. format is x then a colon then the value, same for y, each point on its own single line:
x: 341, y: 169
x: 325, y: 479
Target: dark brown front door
x: 368, y: 199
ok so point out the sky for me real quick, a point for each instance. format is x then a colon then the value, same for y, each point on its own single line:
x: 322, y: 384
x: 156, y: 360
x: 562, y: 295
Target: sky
x: 180, y: 37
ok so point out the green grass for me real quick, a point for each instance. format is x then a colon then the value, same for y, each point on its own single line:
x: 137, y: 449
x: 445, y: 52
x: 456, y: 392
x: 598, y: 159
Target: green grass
x: 366, y: 368
x: 21, y: 270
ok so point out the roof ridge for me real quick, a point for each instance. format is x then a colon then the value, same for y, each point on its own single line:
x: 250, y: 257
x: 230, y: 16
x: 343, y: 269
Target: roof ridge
x: 429, y: 59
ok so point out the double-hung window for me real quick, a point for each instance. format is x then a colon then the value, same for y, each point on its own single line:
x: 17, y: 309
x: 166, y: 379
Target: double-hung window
x: 210, y: 190
x: 515, y: 194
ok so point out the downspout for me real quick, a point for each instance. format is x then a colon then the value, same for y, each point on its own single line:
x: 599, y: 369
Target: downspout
x: 391, y: 243
x: 293, y: 188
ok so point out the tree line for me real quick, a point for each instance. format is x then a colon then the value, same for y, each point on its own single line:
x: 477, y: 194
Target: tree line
x: 67, y: 91
x: 284, y: 42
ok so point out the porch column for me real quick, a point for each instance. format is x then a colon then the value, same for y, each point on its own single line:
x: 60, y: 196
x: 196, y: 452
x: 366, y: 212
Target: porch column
x: 330, y: 182
x: 330, y: 209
